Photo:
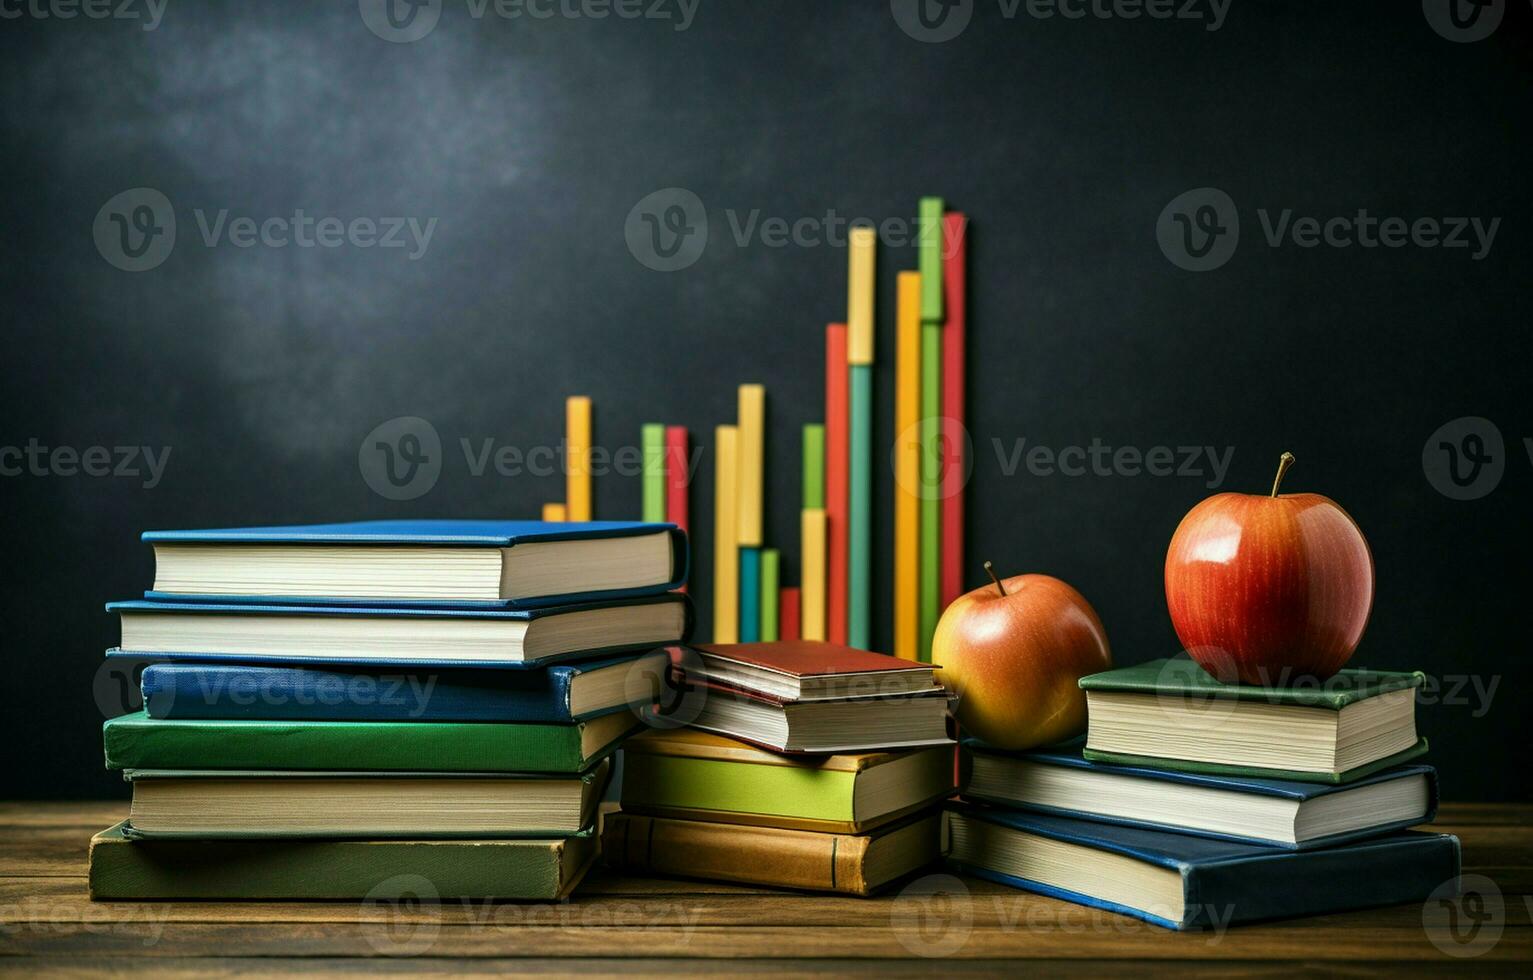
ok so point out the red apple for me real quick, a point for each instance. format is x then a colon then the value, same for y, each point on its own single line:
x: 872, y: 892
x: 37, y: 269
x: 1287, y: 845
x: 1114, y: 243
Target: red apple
x: 1014, y: 651
x: 1267, y: 589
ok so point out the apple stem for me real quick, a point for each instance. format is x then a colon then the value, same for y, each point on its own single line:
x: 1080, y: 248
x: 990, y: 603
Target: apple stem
x: 1284, y: 461
x: 998, y: 586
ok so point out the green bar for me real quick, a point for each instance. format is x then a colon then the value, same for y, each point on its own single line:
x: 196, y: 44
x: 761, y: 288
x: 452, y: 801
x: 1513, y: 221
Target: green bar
x: 929, y: 246
x: 859, y: 562
x: 931, y: 484
x: 652, y: 438
x: 769, y: 563
x: 814, y: 466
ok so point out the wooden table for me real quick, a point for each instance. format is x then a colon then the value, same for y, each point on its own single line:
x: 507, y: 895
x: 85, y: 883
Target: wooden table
x: 644, y: 926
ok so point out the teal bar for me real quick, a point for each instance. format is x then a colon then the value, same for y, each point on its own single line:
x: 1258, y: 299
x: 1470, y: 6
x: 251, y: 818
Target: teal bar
x: 769, y: 576
x: 859, y: 570
x: 652, y: 441
x: 750, y: 595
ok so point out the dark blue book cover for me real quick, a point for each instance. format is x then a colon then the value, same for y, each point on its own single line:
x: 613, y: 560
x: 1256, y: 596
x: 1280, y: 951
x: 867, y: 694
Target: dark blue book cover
x: 1068, y: 756
x: 176, y: 690
x: 1220, y: 882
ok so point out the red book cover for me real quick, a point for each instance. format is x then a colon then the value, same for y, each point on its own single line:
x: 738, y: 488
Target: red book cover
x: 808, y: 658
x: 787, y: 613
x: 677, y: 475
x: 836, y: 426
x: 950, y: 562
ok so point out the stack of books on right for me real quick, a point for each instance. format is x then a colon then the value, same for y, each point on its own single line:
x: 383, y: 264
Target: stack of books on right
x: 1195, y: 803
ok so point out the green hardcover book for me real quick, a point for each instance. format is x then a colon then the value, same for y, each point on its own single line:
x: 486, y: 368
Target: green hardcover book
x: 137, y: 741
x: 1171, y: 714
x: 387, y: 871
x: 693, y: 775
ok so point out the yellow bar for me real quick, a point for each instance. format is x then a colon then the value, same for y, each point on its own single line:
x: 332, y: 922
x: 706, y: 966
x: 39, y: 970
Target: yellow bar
x: 726, y: 551
x: 750, y: 445
x: 577, y: 464
x: 907, y: 464
x: 812, y: 574
x: 553, y: 512
x: 859, y: 296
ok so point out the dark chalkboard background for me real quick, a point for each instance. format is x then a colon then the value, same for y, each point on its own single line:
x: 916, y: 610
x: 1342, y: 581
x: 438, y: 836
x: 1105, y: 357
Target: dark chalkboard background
x: 530, y: 140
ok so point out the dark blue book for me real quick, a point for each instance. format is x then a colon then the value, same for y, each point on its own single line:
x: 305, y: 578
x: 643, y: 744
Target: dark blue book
x: 1184, y: 882
x: 1275, y: 812
x: 488, y: 564
x: 559, y: 693
x: 399, y: 636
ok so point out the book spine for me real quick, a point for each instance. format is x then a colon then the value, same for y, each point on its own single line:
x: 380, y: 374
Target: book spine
x: 769, y: 578
x: 750, y: 595
x: 255, y: 870
x: 837, y: 425
x: 139, y: 743
x: 955, y: 440
x: 577, y: 463
x: 178, y: 691
x: 789, y: 613
x: 734, y: 852
x: 931, y: 462
x: 750, y: 449
x: 813, y: 572
x: 652, y: 445
x: 907, y: 463
x: 726, y: 560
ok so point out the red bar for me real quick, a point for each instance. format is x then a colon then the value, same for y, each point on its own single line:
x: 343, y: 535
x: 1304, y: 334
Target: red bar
x: 787, y: 614
x: 954, y: 253
x: 836, y: 425
x: 677, y: 476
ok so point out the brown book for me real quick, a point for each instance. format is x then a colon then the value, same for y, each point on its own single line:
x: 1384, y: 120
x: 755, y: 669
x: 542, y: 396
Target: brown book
x: 853, y: 864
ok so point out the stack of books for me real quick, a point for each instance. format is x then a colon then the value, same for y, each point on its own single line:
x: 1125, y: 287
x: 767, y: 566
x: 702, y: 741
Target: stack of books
x: 1194, y: 803
x: 805, y: 765
x: 329, y: 707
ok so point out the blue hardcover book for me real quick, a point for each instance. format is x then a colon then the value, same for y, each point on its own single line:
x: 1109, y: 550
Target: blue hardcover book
x: 1184, y: 882
x: 1274, y: 812
x: 489, y: 564
x: 559, y: 693
x: 399, y: 636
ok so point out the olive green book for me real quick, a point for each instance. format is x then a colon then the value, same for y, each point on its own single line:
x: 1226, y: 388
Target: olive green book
x: 699, y: 776
x: 386, y: 871
x: 137, y: 741
x: 1171, y: 714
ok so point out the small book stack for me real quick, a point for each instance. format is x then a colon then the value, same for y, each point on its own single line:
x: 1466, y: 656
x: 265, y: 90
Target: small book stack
x: 807, y: 765
x: 1195, y: 803
x: 330, y: 707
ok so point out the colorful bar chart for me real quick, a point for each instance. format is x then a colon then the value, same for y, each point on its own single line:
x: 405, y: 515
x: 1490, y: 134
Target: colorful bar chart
x: 750, y: 595
x: 929, y: 484
x: 812, y: 574
x: 862, y: 251
x: 789, y: 605
x: 577, y: 464
x: 954, y: 438
x: 554, y: 512
x: 837, y: 424
x: 652, y: 448
x: 907, y: 463
x: 678, y: 476
x: 770, y: 581
x: 726, y: 568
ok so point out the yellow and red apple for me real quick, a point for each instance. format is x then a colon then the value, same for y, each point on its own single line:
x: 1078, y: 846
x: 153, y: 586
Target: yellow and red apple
x: 1014, y: 652
x: 1268, y: 589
